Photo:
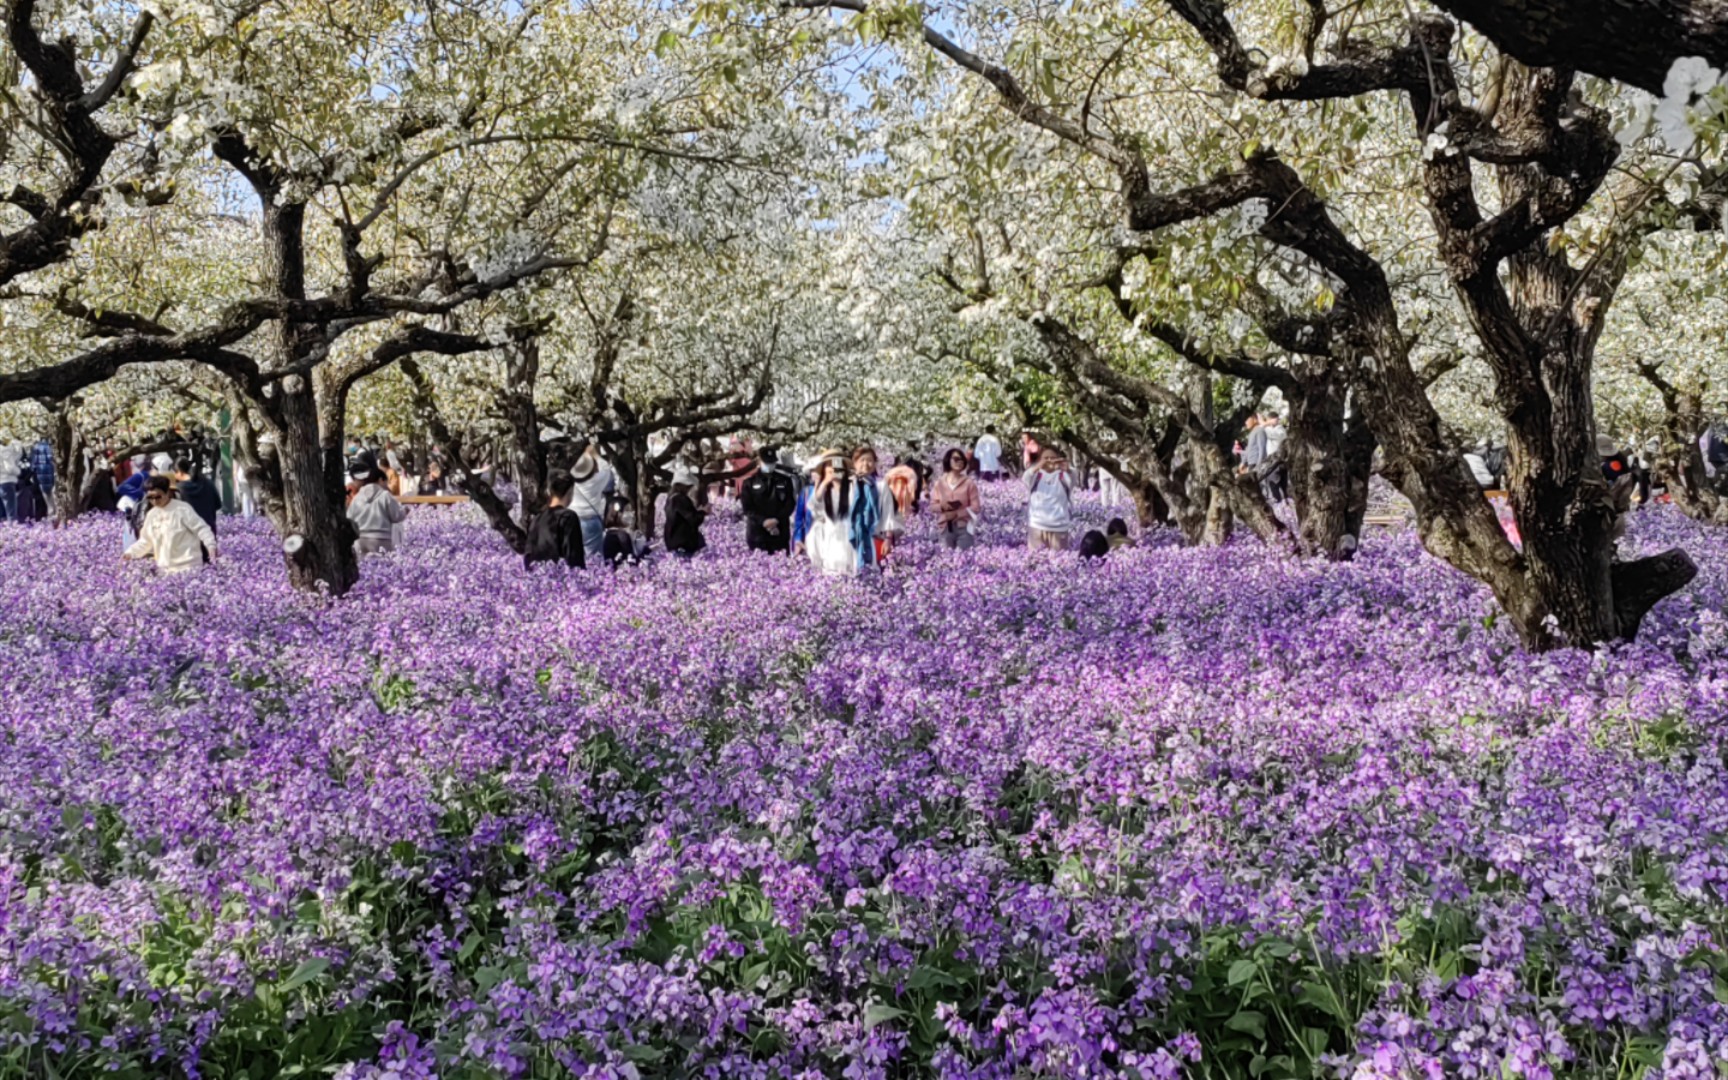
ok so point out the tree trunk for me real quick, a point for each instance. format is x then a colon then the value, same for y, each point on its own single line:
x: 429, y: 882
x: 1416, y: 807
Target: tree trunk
x: 310, y: 500
x: 645, y: 498
x: 68, y: 444
x: 1679, y: 463
x: 1150, y: 508
x: 303, y: 493
x: 1359, y: 446
x: 1318, y: 457
x: 527, y: 453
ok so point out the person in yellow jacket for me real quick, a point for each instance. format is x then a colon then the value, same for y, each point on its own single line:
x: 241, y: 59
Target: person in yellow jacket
x: 173, y: 533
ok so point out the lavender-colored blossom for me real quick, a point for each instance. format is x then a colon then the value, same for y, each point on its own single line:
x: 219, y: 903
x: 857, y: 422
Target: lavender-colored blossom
x: 986, y: 814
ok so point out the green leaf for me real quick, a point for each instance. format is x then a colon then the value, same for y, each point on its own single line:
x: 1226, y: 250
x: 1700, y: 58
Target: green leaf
x: 72, y: 817
x: 1321, y: 997
x: 304, y: 974
x: 923, y: 978
x: 1241, y: 971
x: 488, y: 977
x: 1316, y: 1040
x: 752, y: 976
x: 1248, y: 1022
x: 880, y: 1013
x: 472, y: 943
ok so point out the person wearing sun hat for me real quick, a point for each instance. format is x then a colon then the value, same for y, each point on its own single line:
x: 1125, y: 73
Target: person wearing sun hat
x: 593, y: 479
x: 828, y: 540
x: 683, y: 535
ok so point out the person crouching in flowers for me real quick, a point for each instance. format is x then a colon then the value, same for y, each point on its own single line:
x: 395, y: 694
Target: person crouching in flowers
x: 828, y: 537
x: 683, y: 534
x: 956, y: 501
x: 622, y: 544
x: 173, y: 533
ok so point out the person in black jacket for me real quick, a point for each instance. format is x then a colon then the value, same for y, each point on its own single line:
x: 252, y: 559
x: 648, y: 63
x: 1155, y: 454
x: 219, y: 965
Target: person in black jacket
x: 683, y: 520
x: 198, y: 493
x: 191, y: 488
x: 556, y: 532
x: 769, y: 497
x: 99, y: 494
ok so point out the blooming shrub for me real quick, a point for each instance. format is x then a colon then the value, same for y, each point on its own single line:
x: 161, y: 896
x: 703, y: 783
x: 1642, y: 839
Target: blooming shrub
x: 992, y: 814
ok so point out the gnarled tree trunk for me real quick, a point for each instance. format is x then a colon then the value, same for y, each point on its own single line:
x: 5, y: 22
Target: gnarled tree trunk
x: 1328, y: 470
x: 307, y: 495
x: 68, y: 444
x: 1679, y: 463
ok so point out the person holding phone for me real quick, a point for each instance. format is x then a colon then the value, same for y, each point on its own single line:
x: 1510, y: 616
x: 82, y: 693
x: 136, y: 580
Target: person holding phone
x: 956, y: 500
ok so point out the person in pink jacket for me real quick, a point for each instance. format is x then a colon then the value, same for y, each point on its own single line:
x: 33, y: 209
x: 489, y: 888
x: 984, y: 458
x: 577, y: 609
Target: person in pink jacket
x: 956, y: 501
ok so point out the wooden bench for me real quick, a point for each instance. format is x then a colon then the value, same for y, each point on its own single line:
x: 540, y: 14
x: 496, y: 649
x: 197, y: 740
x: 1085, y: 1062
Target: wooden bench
x: 433, y: 500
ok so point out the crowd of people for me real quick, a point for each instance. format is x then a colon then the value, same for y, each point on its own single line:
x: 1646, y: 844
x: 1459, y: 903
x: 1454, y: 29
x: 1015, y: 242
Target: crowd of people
x: 841, y: 510
x: 27, y: 478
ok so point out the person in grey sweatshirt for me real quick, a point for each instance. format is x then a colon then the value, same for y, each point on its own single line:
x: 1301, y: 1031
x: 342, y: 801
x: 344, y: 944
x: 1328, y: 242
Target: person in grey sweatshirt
x: 373, y: 510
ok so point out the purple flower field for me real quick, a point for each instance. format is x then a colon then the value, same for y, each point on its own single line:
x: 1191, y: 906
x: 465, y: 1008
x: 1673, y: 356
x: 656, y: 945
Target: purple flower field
x: 994, y: 814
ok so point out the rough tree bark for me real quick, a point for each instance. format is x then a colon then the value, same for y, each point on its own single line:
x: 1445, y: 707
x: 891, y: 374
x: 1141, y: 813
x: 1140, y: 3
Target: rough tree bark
x: 1206, y: 496
x: 1635, y: 41
x: 68, y: 443
x: 1550, y: 154
x: 1679, y: 463
x: 70, y: 108
x: 1318, y: 455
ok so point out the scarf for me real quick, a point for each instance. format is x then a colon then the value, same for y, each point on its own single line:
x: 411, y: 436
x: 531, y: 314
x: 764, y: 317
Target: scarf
x: 866, y: 512
x: 801, y: 518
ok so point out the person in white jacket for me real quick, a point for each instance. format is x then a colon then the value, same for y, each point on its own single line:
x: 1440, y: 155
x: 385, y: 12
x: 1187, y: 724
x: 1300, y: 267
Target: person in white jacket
x: 11, y: 458
x: 1049, y: 505
x: 173, y: 533
x: 374, y: 511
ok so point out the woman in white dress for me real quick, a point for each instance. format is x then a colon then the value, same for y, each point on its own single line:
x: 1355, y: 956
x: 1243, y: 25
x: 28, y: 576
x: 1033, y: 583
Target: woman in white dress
x: 829, y: 542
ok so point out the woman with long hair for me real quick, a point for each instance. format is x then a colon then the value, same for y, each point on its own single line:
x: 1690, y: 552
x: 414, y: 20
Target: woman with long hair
x: 829, y: 539
x: 956, y: 500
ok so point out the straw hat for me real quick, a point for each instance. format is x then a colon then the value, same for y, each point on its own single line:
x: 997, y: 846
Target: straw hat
x: 583, y: 469
x: 832, y: 455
